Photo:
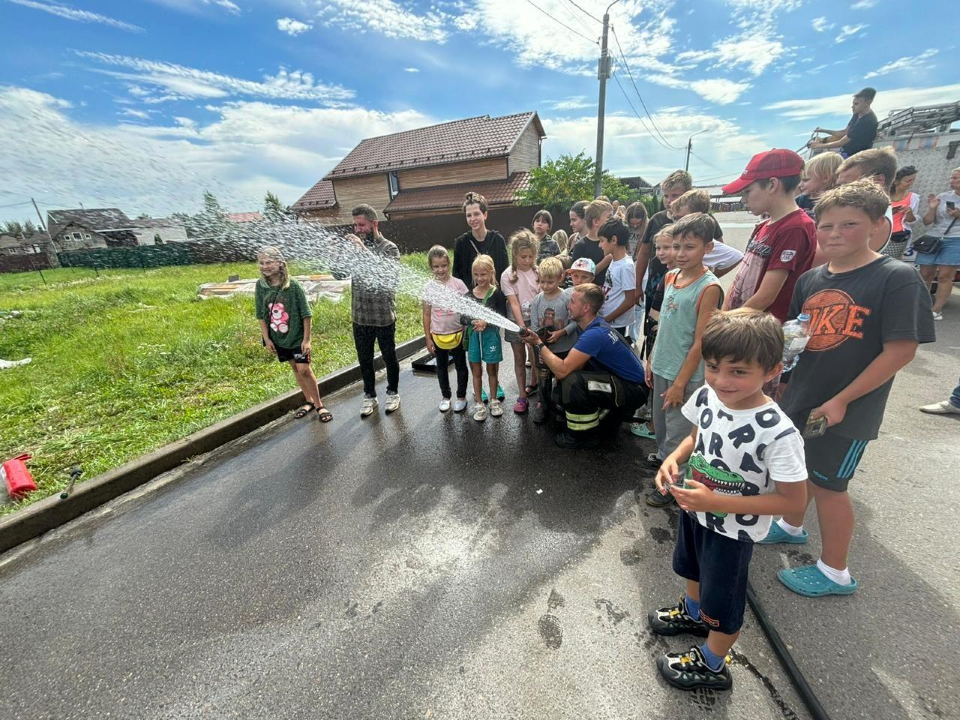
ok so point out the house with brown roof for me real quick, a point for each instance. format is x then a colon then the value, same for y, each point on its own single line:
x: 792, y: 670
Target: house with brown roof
x: 427, y: 171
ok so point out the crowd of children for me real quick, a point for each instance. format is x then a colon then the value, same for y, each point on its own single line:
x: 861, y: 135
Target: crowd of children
x: 741, y: 450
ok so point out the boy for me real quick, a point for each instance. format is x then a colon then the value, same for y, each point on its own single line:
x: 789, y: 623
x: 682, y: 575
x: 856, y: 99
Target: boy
x: 745, y: 465
x: 868, y: 313
x: 620, y: 283
x: 722, y: 258
x: 880, y: 166
x: 549, y: 313
x: 782, y: 247
x: 596, y: 214
x: 582, y: 271
x: 691, y: 296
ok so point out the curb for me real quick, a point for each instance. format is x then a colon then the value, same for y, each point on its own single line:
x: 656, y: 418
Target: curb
x: 52, y: 512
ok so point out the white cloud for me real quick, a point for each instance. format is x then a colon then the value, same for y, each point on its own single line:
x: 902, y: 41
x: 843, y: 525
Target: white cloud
x: 575, y: 102
x: 756, y: 52
x: 863, y: 4
x: 848, y: 31
x: 69, y: 13
x: 245, y: 150
x: 885, y: 102
x: 225, y: 4
x: 820, y: 24
x: 392, y: 19
x: 716, y: 90
x: 411, y: 70
x: 292, y: 27
x: 181, y: 81
x: 917, y: 62
x: 131, y: 112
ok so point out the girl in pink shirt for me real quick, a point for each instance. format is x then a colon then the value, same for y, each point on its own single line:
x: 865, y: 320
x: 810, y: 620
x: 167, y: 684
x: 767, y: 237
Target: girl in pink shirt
x: 520, y: 283
x: 443, y: 330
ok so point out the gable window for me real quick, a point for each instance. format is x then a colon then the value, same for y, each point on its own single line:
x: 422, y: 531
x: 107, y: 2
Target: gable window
x: 394, y: 185
x: 76, y: 236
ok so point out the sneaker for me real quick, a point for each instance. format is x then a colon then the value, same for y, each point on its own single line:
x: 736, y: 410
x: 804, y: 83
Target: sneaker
x: 369, y: 407
x: 688, y: 671
x: 569, y: 441
x: 460, y: 405
x: 496, y: 408
x: 676, y: 621
x: 479, y: 412
x: 655, y: 499
x: 393, y: 403
x: 937, y: 315
x: 501, y: 396
x: 521, y: 407
x: 641, y: 429
x: 777, y: 535
x: 653, y: 460
x: 944, y: 407
x: 539, y: 413
x: 483, y: 395
x: 444, y: 404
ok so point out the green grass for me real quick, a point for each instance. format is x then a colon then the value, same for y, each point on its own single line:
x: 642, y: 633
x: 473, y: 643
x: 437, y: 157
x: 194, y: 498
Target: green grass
x: 129, y: 361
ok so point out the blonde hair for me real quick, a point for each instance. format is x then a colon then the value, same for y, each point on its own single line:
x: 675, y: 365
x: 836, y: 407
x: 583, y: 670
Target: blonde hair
x: 273, y: 253
x: 560, y: 237
x: 551, y: 268
x: 824, y: 166
x: 666, y: 232
x: 863, y: 194
x: 521, y: 240
x: 693, y: 201
x: 677, y: 179
x: 595, y: 211
x: 486, y: 262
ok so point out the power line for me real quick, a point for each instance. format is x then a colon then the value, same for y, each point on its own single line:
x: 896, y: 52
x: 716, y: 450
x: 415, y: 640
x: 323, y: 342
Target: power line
x: 576, y: 17
x: 15, y: 204
x: 559, y: 22
x: 639, y: 116
x: 705, y: 162
x: 630, y: 74
x: 593, y: 17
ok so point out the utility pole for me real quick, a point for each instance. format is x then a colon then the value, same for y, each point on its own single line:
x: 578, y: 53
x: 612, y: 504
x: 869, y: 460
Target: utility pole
x: 42, y: 223
x: 603, y: 74
x: 686, y: 164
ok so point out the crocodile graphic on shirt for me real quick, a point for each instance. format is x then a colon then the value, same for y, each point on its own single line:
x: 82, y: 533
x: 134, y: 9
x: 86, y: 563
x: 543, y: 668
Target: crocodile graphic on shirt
x: 717, y: 480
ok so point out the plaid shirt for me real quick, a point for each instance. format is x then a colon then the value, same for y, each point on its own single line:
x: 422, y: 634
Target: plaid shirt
x: 370, y: 303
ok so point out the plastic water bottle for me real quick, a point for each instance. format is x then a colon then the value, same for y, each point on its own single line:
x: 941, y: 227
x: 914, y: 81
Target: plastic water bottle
x: 796, y: 335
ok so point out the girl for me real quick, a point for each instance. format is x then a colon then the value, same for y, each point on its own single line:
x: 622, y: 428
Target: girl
x: 483, y: 341
x: 520, y: 284
x: 542, y: 223
x: 819, y: 175
x: 905, y: 206
x: 560, y: 238
x: 284, y: 315
x: 443, y: 330
x: 578, y: 225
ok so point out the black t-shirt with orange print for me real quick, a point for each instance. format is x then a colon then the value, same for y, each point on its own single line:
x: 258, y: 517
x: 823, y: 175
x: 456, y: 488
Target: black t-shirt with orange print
x: 852, y: 314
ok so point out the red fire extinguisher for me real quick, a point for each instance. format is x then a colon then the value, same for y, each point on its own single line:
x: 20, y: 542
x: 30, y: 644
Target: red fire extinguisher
x: 18, y: 480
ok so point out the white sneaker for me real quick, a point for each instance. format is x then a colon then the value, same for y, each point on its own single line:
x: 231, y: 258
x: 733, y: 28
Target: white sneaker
x: 460, y: 405
x: 480, y: 412
x: 944, y: 407
x: 444, y: 404
x: 937, y: 315
x: 369, y: 407
x: 496, y: 408
x: 393, y: 403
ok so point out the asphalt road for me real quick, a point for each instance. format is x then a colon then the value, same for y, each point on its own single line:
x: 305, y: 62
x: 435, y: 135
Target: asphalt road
x: 422, y: 565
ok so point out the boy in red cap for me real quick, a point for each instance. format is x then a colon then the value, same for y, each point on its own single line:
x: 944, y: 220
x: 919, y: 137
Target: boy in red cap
x: 782, y: 247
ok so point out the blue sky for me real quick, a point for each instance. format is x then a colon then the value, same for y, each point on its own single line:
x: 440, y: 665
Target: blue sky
x: 142, y: 104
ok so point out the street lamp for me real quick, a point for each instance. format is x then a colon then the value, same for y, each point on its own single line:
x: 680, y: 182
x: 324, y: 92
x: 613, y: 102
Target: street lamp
x: 686, y: 164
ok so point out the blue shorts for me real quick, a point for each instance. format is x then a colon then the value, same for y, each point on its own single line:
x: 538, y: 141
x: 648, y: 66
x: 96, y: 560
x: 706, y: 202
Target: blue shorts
x: 831, y: 459
x: 485, y: 346
x: 720, y: 564
x: 948, y: 255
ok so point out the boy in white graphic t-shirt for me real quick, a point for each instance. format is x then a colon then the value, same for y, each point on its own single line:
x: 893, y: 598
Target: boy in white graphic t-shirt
x: 745, y: 464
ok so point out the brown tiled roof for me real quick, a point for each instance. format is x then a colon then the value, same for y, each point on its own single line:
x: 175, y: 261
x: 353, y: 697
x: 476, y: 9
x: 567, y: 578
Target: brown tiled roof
x: 497, y: 192
x: 462, y: 140
x: 244, y: 217
x: 318, y: 197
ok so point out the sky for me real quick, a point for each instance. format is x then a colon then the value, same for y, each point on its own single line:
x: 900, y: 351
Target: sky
x: 143, y: 104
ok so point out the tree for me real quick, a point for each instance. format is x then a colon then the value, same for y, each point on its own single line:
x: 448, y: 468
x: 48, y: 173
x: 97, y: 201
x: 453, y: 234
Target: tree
x: 273, y: 209
x: 562, y: 182
x: 12, y: 228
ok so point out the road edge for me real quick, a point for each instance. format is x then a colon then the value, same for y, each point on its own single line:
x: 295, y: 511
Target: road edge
x: 52, y: 512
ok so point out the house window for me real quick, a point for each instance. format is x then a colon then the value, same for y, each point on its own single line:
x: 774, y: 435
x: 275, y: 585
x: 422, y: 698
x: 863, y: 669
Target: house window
x: 36, y: 249
x: 394, y: 185
x: 86, y: 236
x: 76, y: 236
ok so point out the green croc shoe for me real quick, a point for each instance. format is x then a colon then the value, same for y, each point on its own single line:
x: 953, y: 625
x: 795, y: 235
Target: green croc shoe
x: 810, y: 582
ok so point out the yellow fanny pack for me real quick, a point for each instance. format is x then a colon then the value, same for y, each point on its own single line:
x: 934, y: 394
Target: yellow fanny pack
x: 448, y: 341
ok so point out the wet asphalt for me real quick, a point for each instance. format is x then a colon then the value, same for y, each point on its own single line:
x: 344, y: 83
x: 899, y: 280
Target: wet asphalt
x: 426, y: 566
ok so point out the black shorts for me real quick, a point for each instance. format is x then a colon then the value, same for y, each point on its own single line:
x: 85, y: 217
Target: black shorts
x: 720, y: 565
x: 831, y: 459
x: 284, y: 355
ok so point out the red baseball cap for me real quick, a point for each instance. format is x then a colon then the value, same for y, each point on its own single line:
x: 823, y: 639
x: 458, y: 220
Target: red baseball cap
x: 770, y: 164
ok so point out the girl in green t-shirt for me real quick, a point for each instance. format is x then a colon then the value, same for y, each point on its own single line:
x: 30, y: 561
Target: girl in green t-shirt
x: 284, y: 315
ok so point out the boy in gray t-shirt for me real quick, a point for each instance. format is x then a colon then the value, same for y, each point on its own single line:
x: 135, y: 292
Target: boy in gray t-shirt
x: 548, y: 311
x: 868, y: 313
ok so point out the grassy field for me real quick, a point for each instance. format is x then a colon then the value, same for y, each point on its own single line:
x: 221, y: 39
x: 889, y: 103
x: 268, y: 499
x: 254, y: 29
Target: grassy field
x: 129, y: 361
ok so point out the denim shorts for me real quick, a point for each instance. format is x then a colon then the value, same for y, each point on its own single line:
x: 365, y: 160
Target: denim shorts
x: 948, y: 255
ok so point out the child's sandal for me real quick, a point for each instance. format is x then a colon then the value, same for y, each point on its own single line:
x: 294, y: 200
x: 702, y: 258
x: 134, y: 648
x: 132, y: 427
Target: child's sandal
x: 323, y: 414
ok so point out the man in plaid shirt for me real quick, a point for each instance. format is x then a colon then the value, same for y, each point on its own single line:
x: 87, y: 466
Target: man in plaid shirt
x: 373, y: 309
